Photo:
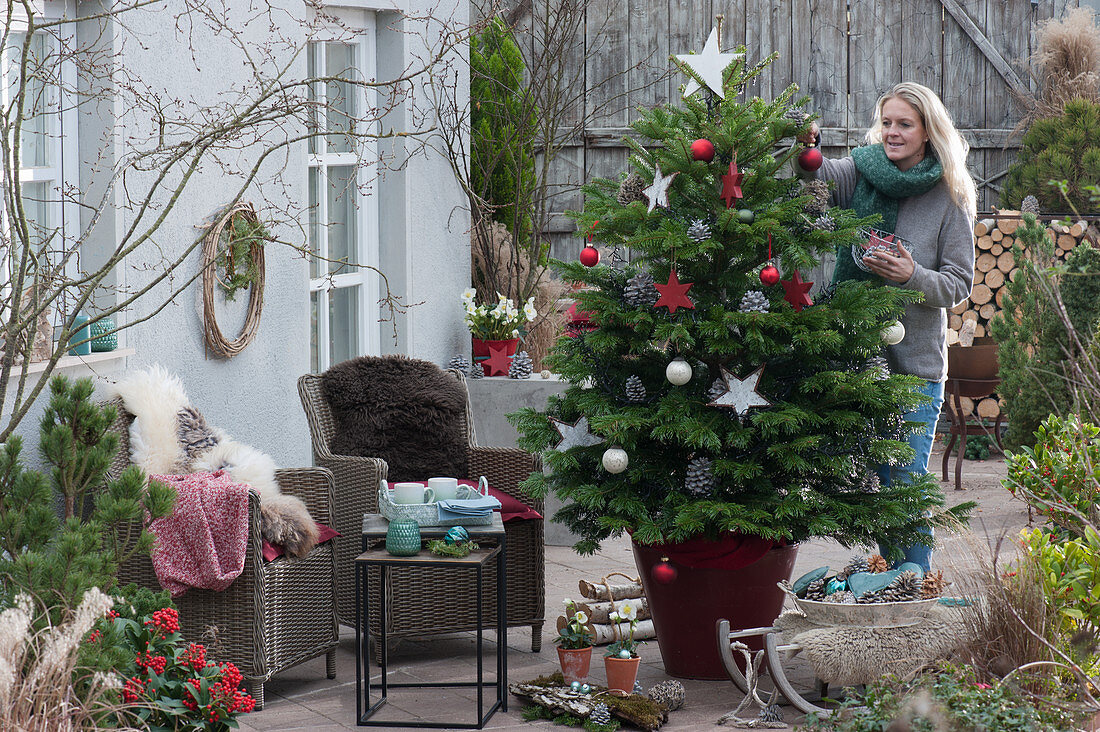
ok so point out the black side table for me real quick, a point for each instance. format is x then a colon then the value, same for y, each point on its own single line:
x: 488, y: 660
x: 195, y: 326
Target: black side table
x: 476, y: 563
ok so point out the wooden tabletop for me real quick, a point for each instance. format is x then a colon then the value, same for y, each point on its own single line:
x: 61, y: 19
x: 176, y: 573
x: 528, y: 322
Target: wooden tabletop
x: 473, y: 559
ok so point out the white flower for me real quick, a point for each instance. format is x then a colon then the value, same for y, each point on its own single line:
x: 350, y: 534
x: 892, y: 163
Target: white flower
x: 613, y: 617
x: 581, y: 617
x: 529, y: 310
x: 567, y: 602
x: 628, y: 610
x: 468, y: 295
x: 515, y: 332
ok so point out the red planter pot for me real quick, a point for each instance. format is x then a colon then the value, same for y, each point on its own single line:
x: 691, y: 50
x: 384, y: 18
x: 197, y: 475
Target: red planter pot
x: 481, y: 353
x: 575, y: 663
x: 686, y: 609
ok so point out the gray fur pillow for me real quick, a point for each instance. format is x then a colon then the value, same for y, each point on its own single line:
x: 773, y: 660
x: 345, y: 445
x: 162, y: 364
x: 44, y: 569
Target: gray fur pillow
x: 406, y: 411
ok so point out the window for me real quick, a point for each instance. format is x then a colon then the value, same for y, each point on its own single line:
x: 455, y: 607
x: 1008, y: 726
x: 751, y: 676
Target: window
x: 47, y: 153
x: 343, y: 216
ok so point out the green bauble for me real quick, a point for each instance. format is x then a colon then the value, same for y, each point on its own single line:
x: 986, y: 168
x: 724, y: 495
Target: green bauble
x: 746, y: 216
x: 105, y: 340
x: 403, y: 538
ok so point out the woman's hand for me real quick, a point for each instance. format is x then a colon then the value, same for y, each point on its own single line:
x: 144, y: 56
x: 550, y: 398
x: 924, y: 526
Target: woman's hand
x: 811, y: 136
x: 894, y: 268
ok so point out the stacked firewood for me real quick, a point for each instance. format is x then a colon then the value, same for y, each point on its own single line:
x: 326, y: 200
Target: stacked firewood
x: 994, y: 267
x: 601, y: 598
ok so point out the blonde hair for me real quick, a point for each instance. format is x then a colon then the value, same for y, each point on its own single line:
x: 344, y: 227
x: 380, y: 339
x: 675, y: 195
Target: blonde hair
x: 947, y: 144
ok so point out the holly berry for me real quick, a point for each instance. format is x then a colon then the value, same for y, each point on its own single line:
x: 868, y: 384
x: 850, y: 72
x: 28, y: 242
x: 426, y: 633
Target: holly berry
x: 663, y: 573
x: 702, y: 149
x: 769, y: 275
x: 810, y: 159
x: 590, y: 256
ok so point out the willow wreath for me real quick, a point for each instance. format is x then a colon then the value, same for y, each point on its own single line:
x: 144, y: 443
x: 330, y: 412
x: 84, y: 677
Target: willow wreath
x: 240, y: 224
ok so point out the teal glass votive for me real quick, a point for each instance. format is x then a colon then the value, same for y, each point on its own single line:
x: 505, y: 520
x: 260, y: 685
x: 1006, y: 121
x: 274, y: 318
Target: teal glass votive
x: 104, y: 338
x: 80, y: 333
x: 403, y: 538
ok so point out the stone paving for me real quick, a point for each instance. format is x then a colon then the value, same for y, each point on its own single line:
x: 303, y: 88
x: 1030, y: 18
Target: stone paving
x: 303, y: 699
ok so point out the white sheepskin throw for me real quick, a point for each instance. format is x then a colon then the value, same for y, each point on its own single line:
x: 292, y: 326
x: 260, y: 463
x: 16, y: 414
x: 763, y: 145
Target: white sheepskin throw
x: 169, y: 436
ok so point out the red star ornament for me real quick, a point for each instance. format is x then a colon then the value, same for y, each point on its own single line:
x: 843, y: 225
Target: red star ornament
x: 674, y: 294
x: 498, y: 361
x: 731, y: 184
x: 796, y: 292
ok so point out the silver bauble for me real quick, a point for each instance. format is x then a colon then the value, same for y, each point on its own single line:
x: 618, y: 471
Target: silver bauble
x: 678, y: 372
x: 615, y: 460
x: 893, y: 333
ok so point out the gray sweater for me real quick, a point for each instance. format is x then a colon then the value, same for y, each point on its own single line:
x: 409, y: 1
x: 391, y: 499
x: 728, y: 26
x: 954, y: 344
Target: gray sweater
x: 942, y: 239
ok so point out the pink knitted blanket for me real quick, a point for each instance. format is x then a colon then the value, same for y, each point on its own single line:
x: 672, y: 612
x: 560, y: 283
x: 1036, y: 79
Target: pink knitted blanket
x: 202, y: 543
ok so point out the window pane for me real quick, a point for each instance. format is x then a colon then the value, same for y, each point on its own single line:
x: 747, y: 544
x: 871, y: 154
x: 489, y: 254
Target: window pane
x: 340, y: 96
x: 343, y: 323
x: 40, y: 110
x: 39, y: 215
x: 316, y: 243
x: 342, y: 231
x: 314, y: 326
x: 312, y: 58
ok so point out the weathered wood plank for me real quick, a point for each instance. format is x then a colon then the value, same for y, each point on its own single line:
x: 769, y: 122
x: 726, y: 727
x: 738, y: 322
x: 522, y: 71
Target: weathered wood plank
x: 820, y: 57
x: 689, y: 23
x: 607, y: 35
x: 922, y: 43
x: 767, y: 31
x: 874, y: 61
x: 647, y: 54
x: 1008, y: 26
x: 832, y: 136
x: 979, y: 38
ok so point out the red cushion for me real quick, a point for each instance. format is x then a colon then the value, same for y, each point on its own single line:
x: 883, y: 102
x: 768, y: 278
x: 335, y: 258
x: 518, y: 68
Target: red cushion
x: 511, y: 509
x: 272, y: 552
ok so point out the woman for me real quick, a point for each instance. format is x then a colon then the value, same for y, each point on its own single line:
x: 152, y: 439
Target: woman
x: 913, y: 173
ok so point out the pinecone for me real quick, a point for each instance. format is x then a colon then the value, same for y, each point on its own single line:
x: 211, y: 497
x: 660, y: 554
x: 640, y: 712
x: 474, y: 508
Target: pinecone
x: 699, y: 231
x: 669, y: 694
x: 856, y: 564
x: 639, y: 291
x: 600, y: 714
x: 816, y: 590
x: 818, y: 191
x: 880, y: 365
x: 824, y: 222
x: 932, y: 585
x: 843, y: 597
x: 630, y: 190
x: 717, y: 389
x: 797, y: 116
x: 870, y: 483
x: 906, y: 588
x: 637, y: 688
x: 699, y: 479
x: 475, y: 372
x: 770, y: 713
x: 754, y: 301
x: 521, y: 366
x: 459, y: 363
x: 876, y: 563
x: 635, y: 390
x: 1030, y: 205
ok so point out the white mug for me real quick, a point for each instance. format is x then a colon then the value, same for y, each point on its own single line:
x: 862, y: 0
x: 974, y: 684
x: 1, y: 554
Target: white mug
x: 412, y: 493
x: 445, y: 489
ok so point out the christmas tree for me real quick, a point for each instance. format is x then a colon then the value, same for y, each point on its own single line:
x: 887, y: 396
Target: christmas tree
x: 716, y: 394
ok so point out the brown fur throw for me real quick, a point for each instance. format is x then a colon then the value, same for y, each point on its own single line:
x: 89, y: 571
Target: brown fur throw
x: 406, y: 411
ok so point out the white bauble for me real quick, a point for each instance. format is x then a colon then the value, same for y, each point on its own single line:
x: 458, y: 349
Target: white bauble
x: 615, y: 460
x: 678, y: 372
x: 893, y: 333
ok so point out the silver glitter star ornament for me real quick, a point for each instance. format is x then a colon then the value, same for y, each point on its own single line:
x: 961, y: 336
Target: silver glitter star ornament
x: 741, y: 394
x: 575, y: 435
x: 709, y: 65
x: 658, y: 192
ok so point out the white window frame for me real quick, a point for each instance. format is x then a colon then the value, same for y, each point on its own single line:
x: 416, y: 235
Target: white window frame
x: 65, y: 171
x: 364, y: 42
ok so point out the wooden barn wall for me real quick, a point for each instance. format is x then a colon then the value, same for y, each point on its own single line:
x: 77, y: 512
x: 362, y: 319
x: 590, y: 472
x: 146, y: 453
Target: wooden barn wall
x: 842, y: 54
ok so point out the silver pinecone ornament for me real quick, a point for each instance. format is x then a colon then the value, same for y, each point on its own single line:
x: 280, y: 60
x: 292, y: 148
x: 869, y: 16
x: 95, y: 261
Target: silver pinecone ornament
x: 824, y: 222
x: 475, y: 372
x: 770, y: 714
x: 717, y: 389
x: 816, y: 590
x: 600, y: 714
x: 669, y: 694
x: 842, y: 597
x: 818, y: 191
x: 639, y: 291
x: 459, y: 363
x: 521, y: 366
x: 797, y: 116
x: 880, y: 365
x: 699, y: 231
x: 857, y: 563
x: 699, y: 479
x: 631, y: 190
x: 635, y: 389
x: 870, y: 483
x: 754, y: 301
x: 1030, y: 205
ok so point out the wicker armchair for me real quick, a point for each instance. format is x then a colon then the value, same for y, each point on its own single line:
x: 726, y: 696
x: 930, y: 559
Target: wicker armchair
x: 415, y: 611
x: 275, y: 614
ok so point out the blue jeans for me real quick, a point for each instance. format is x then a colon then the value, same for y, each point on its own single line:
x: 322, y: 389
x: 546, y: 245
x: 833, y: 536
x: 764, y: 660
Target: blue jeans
x: 921, y: 442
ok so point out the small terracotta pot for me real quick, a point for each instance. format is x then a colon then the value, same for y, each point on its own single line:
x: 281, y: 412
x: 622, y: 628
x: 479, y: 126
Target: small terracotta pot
x: 575, y: 663
x: 621, y: 673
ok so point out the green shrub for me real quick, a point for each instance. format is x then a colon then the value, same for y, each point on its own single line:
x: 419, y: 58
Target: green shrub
x: 1064, y: 148
x: 1069, y: 573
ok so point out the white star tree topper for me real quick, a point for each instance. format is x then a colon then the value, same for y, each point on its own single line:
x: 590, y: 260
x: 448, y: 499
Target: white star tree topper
x: 709, y: 65
x: 658, y: 192
x: 741, y: 394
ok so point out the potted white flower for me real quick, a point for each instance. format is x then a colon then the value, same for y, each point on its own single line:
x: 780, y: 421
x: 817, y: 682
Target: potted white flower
x: 621, y: 659
x: 496, y: 329
x: 574, y: 645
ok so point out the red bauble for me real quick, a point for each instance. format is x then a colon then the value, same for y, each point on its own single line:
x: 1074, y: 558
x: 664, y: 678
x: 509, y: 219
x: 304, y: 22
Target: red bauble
x: 663, y: 573
x: 810, y: 159
x: 769, y: 275
x: 702, y: 149
x: 590, y: 256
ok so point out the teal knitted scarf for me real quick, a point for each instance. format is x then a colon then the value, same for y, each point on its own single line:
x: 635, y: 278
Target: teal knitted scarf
x: 881, y: 185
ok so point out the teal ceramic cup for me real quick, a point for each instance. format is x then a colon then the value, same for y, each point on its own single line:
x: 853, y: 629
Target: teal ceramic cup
x: 403, y: 538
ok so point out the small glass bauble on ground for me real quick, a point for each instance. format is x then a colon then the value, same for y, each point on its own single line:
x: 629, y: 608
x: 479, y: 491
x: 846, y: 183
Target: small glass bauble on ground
x: 403, y: 538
